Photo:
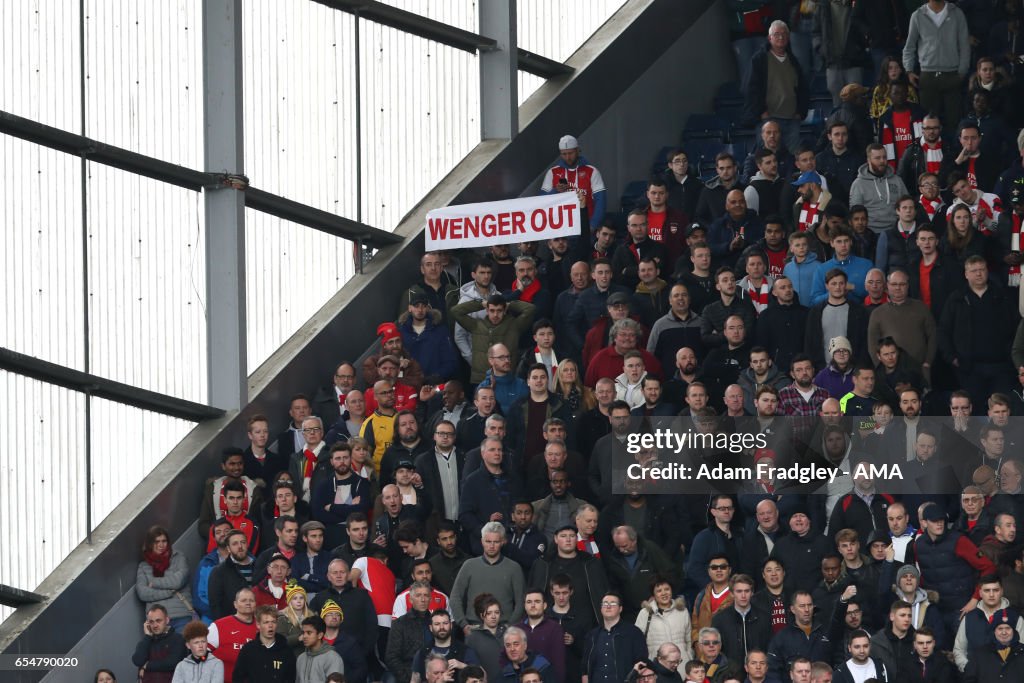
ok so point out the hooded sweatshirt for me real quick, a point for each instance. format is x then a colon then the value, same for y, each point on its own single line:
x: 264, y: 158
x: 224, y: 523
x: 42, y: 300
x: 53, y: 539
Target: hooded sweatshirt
x: 878, y: 194
x: 192, y: 670
x: 802, y: 274
x: 315, y: 667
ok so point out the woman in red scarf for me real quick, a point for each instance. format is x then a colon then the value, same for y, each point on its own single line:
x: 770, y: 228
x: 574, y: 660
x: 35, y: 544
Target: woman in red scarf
x: 162, y: 578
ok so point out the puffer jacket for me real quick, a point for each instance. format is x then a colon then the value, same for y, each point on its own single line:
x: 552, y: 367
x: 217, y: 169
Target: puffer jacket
x: 668, y: 626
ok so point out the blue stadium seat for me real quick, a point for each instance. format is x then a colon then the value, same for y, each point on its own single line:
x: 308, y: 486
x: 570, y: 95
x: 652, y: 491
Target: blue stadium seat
x: 633, y: 195
x: 701, y: 126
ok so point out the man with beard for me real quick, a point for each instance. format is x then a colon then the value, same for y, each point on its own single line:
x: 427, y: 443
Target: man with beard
x: 341, y: 494
x: 801, y: 399
x: 711, y: 204
x: 877, y: 188
x: 675, y: 389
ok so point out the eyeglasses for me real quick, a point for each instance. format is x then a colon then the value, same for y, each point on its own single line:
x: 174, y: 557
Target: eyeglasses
x: 311, y: 430
x: 717, y: 567
x: 709, y: 643
x: 609, y: 604
x: 725, y: 508
x: 444, y: 433
x: 853, y: 611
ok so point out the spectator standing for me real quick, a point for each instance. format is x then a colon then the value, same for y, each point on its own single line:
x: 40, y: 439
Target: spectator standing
x: 938, y: 43
x: 777, y: 88
x: 573, y: 172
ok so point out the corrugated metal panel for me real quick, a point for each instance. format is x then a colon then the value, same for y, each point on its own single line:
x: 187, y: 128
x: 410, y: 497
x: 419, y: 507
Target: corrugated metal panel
x: 558, y: 29
x: 42, y: 509
x: 457, y: 13
x: 119, y: 461
x: 421, y: 116
x: 39, y: 64
x: 144, y: 70
x: 300, y: 103
x: 147, y: 283
x: 41, y: 303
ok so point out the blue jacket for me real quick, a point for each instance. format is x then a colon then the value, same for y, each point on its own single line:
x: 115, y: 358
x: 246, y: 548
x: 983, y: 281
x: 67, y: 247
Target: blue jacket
x: 724, y: 229
x: 856, y: 269
x: 201, y: 585
x: 628, y: 646
x: 590, y: 305
x: 311, y: 575
x: 323, y: 496
x: 791, y: 642
x: 482, y: 495
x: 433, y: 348
x: 533, y: 661
x: 708, y: 542
x: 802, y: 276
x: 507, y: 389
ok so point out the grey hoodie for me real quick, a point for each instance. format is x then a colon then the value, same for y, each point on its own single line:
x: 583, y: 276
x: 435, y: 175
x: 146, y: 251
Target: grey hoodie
x: 878, y: 195
x: 315, y: 667
x: 211, y: 670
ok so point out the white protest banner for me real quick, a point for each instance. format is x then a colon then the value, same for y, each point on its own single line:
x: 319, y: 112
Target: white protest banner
x: 512, y: 220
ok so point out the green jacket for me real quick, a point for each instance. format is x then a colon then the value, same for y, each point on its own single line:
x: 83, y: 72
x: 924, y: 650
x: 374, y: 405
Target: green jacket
x: 517, y: 321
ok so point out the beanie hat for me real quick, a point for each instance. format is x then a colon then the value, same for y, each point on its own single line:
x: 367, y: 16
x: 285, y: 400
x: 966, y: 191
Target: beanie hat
x: 331, y: 607
x: 387, y: 332
x: 291, y: 589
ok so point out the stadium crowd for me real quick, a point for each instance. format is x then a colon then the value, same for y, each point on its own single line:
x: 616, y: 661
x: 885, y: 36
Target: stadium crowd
x: 451, y: 508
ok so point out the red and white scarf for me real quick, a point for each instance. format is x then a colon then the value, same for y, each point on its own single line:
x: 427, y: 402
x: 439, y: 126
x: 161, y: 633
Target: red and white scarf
x: 554, y: 365
x: 932, y: 156
x: 930, y: 206
x: 1018, y: 227
x: 808, y: 216
x: 759, y: 295
x: 587, y: 545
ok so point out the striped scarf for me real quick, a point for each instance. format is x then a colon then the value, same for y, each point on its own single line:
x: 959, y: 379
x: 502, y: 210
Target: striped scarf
x: 808, y: 216
x: 930, y: 206
x: 1018, y: 225
x: 759, y: 295
x: 932, y: 156
x: 587, y: 546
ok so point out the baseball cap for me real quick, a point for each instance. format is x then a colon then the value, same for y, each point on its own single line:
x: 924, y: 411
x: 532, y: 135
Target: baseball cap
x: 567, y: 142
x: 807, y: 177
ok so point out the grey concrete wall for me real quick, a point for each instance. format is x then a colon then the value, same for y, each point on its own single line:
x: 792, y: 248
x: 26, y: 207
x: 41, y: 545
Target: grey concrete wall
x: 93, y: 608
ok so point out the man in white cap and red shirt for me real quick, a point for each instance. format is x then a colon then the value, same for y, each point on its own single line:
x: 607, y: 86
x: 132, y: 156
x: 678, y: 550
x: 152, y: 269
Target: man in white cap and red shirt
x: 573, y: 172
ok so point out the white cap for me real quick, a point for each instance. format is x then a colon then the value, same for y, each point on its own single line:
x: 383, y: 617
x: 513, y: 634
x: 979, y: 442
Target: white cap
x: 567, y: 142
